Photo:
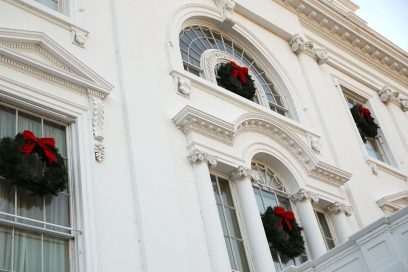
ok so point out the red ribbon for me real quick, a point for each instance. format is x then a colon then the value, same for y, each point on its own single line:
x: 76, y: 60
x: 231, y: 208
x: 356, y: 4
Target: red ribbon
x: 46, y: 144
x: 239, y: 71
x: 284, y: 216
x: 365, y: 113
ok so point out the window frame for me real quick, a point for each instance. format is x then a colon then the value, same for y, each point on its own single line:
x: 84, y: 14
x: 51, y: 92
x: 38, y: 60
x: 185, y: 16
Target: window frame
x: 379, y: 141
x: 16, y: 226
x: 244, y: 239
x: 330, y: 226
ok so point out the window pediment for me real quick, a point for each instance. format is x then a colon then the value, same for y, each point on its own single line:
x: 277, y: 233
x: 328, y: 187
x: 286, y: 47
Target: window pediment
x: 37, y: 54
x: 394, y: 202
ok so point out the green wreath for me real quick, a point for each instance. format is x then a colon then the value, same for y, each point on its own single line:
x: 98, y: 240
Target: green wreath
x: 364, y: 121
x: 282, y: 232
x: 33, y: 172
x: 236, y: 79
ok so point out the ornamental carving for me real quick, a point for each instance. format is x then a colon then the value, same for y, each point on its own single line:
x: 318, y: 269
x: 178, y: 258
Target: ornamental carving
x: 200, y: 157
x: 303, y: 194
x: 226, y: 8
x: 404, y: 104
x: 97, y: 127
x: 387, y: 94
x: 338, y: 207
x: 242, y: 172
x: 298, y: 44
x: 184, y: 86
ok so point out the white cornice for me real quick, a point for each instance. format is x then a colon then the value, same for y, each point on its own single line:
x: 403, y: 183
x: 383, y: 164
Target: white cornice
x: 190, y: 119
x: 352, y: 35
x: 389, y: 203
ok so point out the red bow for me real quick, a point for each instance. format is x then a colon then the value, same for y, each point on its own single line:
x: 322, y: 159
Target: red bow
x: 364, y: 112
x: 288, y: 216
x: 239, y: 71
x: 46, y: 144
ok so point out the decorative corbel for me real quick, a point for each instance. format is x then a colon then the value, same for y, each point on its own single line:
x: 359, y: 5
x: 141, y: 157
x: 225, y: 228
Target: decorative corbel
x: 226, y: 8
x: 303, y: 194
x: 387, y: 94
x: 200, y: 157
x: 183, y: 86
x: 79, y: 36
x: 315, y: 144
x: 404, y: 104
x: 97, y: 127
x: 373, y: 166
x: 298, y: 44
x: 242, y: 172
x: 338, y: 207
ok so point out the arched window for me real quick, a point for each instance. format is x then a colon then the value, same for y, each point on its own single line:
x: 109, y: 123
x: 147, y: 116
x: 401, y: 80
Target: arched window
x: 270, y: 192
x: 197, y: 40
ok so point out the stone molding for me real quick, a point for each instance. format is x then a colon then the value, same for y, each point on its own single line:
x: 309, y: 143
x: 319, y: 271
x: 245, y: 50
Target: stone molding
x: 387, y: 94
x: 392, y: 203
x: 298, y: 44
x: 351, y: 34
x: 226, y: 8
x: 191, y: 120
x: 200, y: 157
x: 183, y: 86
x: 36, y: 54
x: 303, y: 194
x: 338, y: 207
x: 241, y: 172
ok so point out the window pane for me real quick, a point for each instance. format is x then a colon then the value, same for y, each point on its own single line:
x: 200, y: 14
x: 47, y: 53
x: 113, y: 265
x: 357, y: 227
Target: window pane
x: 259, y: 200
x: 58, y: 133
x: 240, y: 258
x: 269, y: 199
x: 52, y: 4
x: 229, y: 249
x: 276, y: 261
x: 27, y: 122
x: 31, y: 207
x: 55, y: 255
x: 7, y: 122
x: 57, y: 211
x: 232, y: 223
x: 221, y: 215
x: 284, y: 202
x: 5, y: 248
x: 6, y: 199
x: 27, y: 252
x: 225, y: 192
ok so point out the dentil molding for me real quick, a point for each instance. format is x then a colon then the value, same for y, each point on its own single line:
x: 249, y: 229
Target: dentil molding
x: 191, y: 120
x: 36, y: 54
x: 298, y: 44
x: 338, y: 207
x: 346, y: 30
x: 198, y: 156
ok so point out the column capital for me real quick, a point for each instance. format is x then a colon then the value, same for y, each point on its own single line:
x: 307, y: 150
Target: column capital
x: 242, y: 172
x: 338, y: 207
x: 298, y: 44
x: 303, y: 194
x: 200, y: 157
x: 404, y: 104
x: 387, y: 94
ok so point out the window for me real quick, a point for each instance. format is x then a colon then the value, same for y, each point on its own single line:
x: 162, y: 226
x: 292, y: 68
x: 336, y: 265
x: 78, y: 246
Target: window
x: 325, y: 229
x: 270, y: 192
x: 229, y: 222
x: 374, y: 146
x: 195, y: 40
x: 35, y: 232
x: 57, y: 5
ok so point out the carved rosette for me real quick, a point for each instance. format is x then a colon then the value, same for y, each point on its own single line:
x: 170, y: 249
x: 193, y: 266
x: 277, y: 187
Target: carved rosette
x: 242, y: 172
x: 338, y: 207
x: 298, y: 45
x: 303, y: 194
x: 200, y: 157
x: 97, y: 127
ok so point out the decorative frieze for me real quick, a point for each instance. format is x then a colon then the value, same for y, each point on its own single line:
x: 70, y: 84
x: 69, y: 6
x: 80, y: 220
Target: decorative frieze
x: 338, y: 207
x: 303, y: 194
x: 200, y: 157
x: 298, y: 44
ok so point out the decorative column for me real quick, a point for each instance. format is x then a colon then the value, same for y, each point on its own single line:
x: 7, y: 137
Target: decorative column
x: 217, y: 249
x: 257, y: 241
x: 338, y: 213
x: 303, y: 201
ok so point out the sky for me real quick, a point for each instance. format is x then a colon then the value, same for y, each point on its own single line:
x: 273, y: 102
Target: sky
x: 387, y: 17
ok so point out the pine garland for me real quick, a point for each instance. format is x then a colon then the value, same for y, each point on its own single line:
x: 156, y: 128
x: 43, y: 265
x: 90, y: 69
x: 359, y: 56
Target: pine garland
x: 364, y: 122
x: 288, y: 243
x: 234, y: 83
x: 20, y: 170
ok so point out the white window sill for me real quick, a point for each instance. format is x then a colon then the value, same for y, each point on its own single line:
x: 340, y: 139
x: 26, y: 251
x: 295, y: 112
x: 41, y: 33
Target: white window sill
x: 384, y: 167
x: 48, y: 14
x: 215, y: 90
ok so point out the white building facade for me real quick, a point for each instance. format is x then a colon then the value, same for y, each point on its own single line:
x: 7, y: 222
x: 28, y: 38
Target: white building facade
x: 169, y: 171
